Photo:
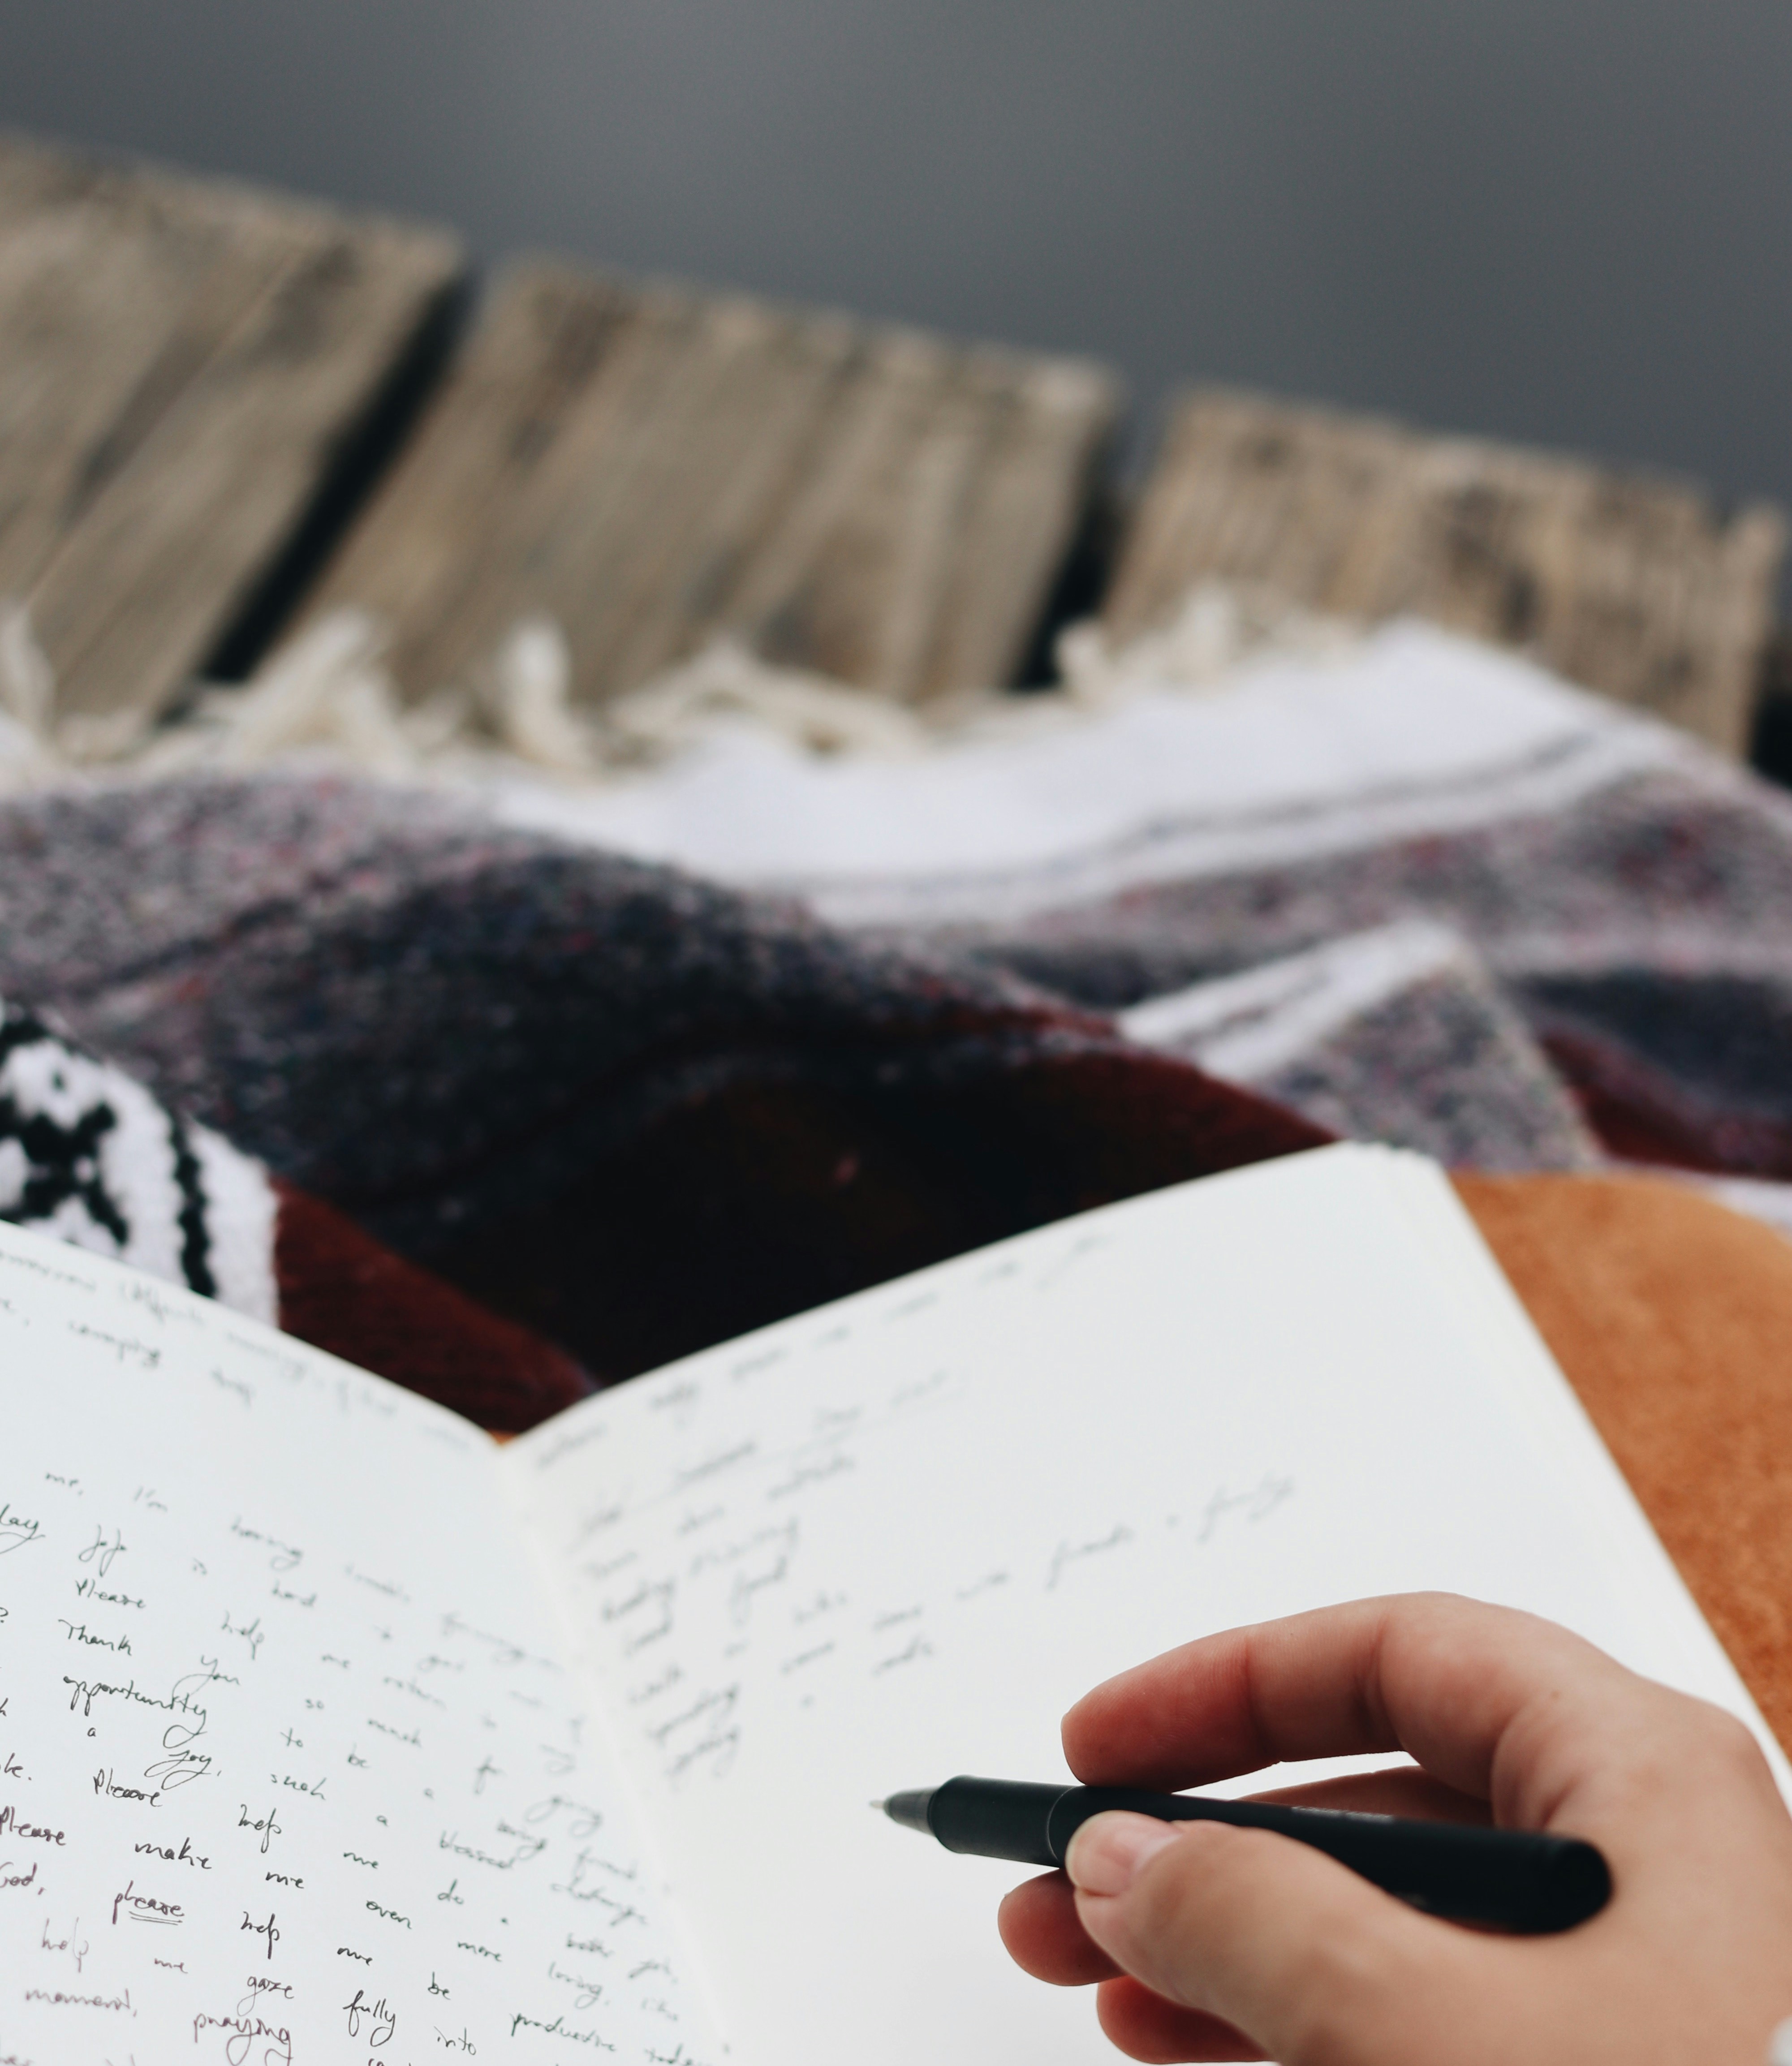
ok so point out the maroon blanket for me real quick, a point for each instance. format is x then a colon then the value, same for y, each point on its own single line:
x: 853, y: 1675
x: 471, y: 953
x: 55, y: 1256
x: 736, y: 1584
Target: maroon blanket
x: 516, y: 1094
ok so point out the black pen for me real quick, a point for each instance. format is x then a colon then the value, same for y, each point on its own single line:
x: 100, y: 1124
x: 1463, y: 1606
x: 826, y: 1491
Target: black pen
x: 1514, y: 1878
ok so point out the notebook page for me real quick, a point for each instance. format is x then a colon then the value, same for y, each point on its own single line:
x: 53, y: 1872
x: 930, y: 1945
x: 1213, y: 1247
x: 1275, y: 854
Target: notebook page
x: 1471, y: 1280
x: 893, y: 1540
x: 289, y: 1765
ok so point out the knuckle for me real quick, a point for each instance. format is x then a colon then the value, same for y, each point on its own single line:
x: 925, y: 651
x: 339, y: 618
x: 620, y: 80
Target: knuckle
x: 1674, y: 1741
x: 1728, y: 1743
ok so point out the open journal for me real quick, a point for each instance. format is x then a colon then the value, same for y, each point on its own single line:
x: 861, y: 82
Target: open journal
x: 331, y: 1730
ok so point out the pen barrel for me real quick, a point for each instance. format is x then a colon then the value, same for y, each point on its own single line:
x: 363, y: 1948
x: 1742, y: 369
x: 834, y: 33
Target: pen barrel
x: 1515, y: 1879
x: 998, y: 1818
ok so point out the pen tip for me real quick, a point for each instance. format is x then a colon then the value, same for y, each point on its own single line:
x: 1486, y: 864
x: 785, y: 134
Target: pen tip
x: 910, y: 1809
x: 878, y: 1805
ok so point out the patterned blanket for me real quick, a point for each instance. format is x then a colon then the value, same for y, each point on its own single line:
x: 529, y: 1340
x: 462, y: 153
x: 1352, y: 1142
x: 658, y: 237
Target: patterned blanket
x: 483, y: 1091
x: 1524, y: 927
x: 505, y: 1094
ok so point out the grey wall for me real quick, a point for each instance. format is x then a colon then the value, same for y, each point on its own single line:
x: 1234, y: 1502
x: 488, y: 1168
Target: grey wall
x: 1564, y: 221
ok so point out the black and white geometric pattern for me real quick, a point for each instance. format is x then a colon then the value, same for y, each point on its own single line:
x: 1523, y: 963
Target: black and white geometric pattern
x: 89, y: 1157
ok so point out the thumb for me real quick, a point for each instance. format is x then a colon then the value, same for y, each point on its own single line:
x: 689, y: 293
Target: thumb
x: 1284, y: 1943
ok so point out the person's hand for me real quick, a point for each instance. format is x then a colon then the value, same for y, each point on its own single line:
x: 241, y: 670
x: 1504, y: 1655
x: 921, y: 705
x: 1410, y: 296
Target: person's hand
x: 1211, y: 1943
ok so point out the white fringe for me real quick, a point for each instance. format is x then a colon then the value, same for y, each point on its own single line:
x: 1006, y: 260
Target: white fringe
x: 327, y: 700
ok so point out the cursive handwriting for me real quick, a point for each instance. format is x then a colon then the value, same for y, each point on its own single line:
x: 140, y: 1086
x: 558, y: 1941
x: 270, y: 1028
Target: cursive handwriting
x: 186, y: 1855
x: 286, y: 1556
x: 1068, y: 1554
x: 146, y: 1907
x: 12, y: 1824
x: 266, y: 1931
x: 246, y: 2031
x: 69, y: 1942
x: 16, y: 1531
x: 380, y: 2020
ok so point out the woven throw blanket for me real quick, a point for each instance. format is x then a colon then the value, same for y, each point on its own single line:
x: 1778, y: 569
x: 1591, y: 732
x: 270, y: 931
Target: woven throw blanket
x: 1602, y: 962
x: 509, y: 1115
x: 506, y: 1094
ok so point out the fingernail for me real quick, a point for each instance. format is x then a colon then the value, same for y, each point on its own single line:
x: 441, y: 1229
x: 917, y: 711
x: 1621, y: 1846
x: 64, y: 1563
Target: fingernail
x: 1109, y: 1851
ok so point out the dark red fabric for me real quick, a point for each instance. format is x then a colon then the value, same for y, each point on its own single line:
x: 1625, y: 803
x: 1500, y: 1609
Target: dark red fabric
x: 761, y: 1200
x: 341, y: 1290
x: 1642, y: 1114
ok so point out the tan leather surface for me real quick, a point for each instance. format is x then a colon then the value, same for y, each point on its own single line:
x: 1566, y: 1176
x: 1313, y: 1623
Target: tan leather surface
x: 1672, y: 1317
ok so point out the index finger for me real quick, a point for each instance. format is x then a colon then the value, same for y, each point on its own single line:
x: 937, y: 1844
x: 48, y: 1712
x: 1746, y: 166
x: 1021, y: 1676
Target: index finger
x: 1474, y: 1693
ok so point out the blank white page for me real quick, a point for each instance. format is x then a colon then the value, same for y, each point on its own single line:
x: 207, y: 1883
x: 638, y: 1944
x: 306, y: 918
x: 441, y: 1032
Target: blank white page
x: 893, y: 1540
